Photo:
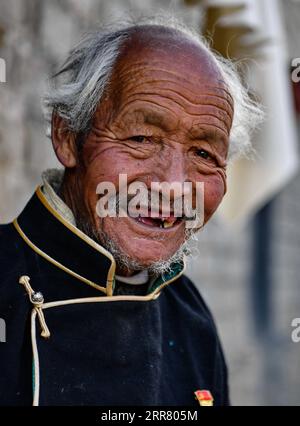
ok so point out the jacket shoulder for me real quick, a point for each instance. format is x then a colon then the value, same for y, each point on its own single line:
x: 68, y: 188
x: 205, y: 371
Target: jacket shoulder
x: 11, y: 258
x: 8, y: 240
x: 190, y: 294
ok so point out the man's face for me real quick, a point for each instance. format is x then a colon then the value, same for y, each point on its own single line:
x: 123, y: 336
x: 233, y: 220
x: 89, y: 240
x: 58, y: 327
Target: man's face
x: 166, y: 118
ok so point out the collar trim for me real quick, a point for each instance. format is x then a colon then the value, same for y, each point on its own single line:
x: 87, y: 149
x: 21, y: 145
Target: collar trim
x: 53, y: 261
x: 111, y: 273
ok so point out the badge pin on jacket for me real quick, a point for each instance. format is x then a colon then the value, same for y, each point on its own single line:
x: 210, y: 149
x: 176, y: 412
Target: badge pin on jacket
x: 204, y: 397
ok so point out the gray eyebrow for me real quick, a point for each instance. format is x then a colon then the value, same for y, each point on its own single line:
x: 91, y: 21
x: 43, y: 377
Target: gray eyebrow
x: 155, y: 118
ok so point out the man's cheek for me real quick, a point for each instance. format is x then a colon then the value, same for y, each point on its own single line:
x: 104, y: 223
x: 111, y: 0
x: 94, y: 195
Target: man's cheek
x: 90, y: 192
x: 213, y: 195
x: 99, y: 175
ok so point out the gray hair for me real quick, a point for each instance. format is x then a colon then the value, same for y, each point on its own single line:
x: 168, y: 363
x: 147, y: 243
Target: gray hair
x: 89, y: 66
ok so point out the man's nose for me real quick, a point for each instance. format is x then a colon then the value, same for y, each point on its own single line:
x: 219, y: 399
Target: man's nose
x: 174, y: 167
x: 174, y: 172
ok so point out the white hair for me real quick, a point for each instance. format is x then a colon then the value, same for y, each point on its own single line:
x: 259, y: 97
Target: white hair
x: 88, y: 68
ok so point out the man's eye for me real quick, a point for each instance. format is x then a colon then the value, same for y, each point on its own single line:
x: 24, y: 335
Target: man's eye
x: 202, y: 153
x: 139, y: 138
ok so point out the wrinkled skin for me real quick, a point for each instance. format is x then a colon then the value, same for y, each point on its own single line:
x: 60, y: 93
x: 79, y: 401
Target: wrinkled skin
x: 169, y: 91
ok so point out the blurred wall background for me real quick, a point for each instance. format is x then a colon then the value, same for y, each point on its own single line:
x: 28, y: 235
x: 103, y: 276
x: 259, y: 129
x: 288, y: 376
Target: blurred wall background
x: 254, y: 322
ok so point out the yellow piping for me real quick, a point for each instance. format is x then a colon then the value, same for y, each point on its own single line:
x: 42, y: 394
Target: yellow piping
x: 53, y: 261
x: 85, y: 238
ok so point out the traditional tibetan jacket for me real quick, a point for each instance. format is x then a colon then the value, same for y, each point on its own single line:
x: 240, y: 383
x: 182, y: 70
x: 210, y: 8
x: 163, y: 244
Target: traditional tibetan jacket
x: 72, y: 338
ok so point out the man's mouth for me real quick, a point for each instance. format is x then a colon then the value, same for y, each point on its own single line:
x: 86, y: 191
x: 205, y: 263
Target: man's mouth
x: 159, y: 222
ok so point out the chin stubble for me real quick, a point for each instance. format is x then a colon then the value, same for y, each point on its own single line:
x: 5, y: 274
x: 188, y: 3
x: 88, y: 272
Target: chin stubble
x: 126, y: 263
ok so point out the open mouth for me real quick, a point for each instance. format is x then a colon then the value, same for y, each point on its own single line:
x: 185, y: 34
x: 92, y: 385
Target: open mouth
x: 159, y: 222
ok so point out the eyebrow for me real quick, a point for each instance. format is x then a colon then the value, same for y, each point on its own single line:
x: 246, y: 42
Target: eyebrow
x: 156, y: 118
x: 215, y: 136
x: 166, y: 122
x: 210, y: 132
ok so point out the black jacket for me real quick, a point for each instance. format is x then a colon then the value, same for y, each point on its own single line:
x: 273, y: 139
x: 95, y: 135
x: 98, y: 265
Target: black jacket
x: 104, y: 348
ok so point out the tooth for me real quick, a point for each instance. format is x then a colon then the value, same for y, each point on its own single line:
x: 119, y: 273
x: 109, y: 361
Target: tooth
x: 167, y: 224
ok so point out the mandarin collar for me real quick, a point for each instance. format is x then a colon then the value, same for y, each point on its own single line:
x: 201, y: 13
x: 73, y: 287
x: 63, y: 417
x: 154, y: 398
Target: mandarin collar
x: 64, y: 245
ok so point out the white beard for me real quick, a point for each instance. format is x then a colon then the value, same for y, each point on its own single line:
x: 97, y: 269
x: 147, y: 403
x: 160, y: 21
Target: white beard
x: 127, y: 263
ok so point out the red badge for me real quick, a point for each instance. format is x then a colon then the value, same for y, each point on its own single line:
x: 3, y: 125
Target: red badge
x: 204, y: 398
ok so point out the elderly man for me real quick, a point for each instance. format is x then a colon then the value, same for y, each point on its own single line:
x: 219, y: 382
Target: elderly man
x: 97, y: 309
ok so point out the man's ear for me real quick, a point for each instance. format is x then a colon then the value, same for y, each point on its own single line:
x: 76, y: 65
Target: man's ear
x: 63, y: 141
